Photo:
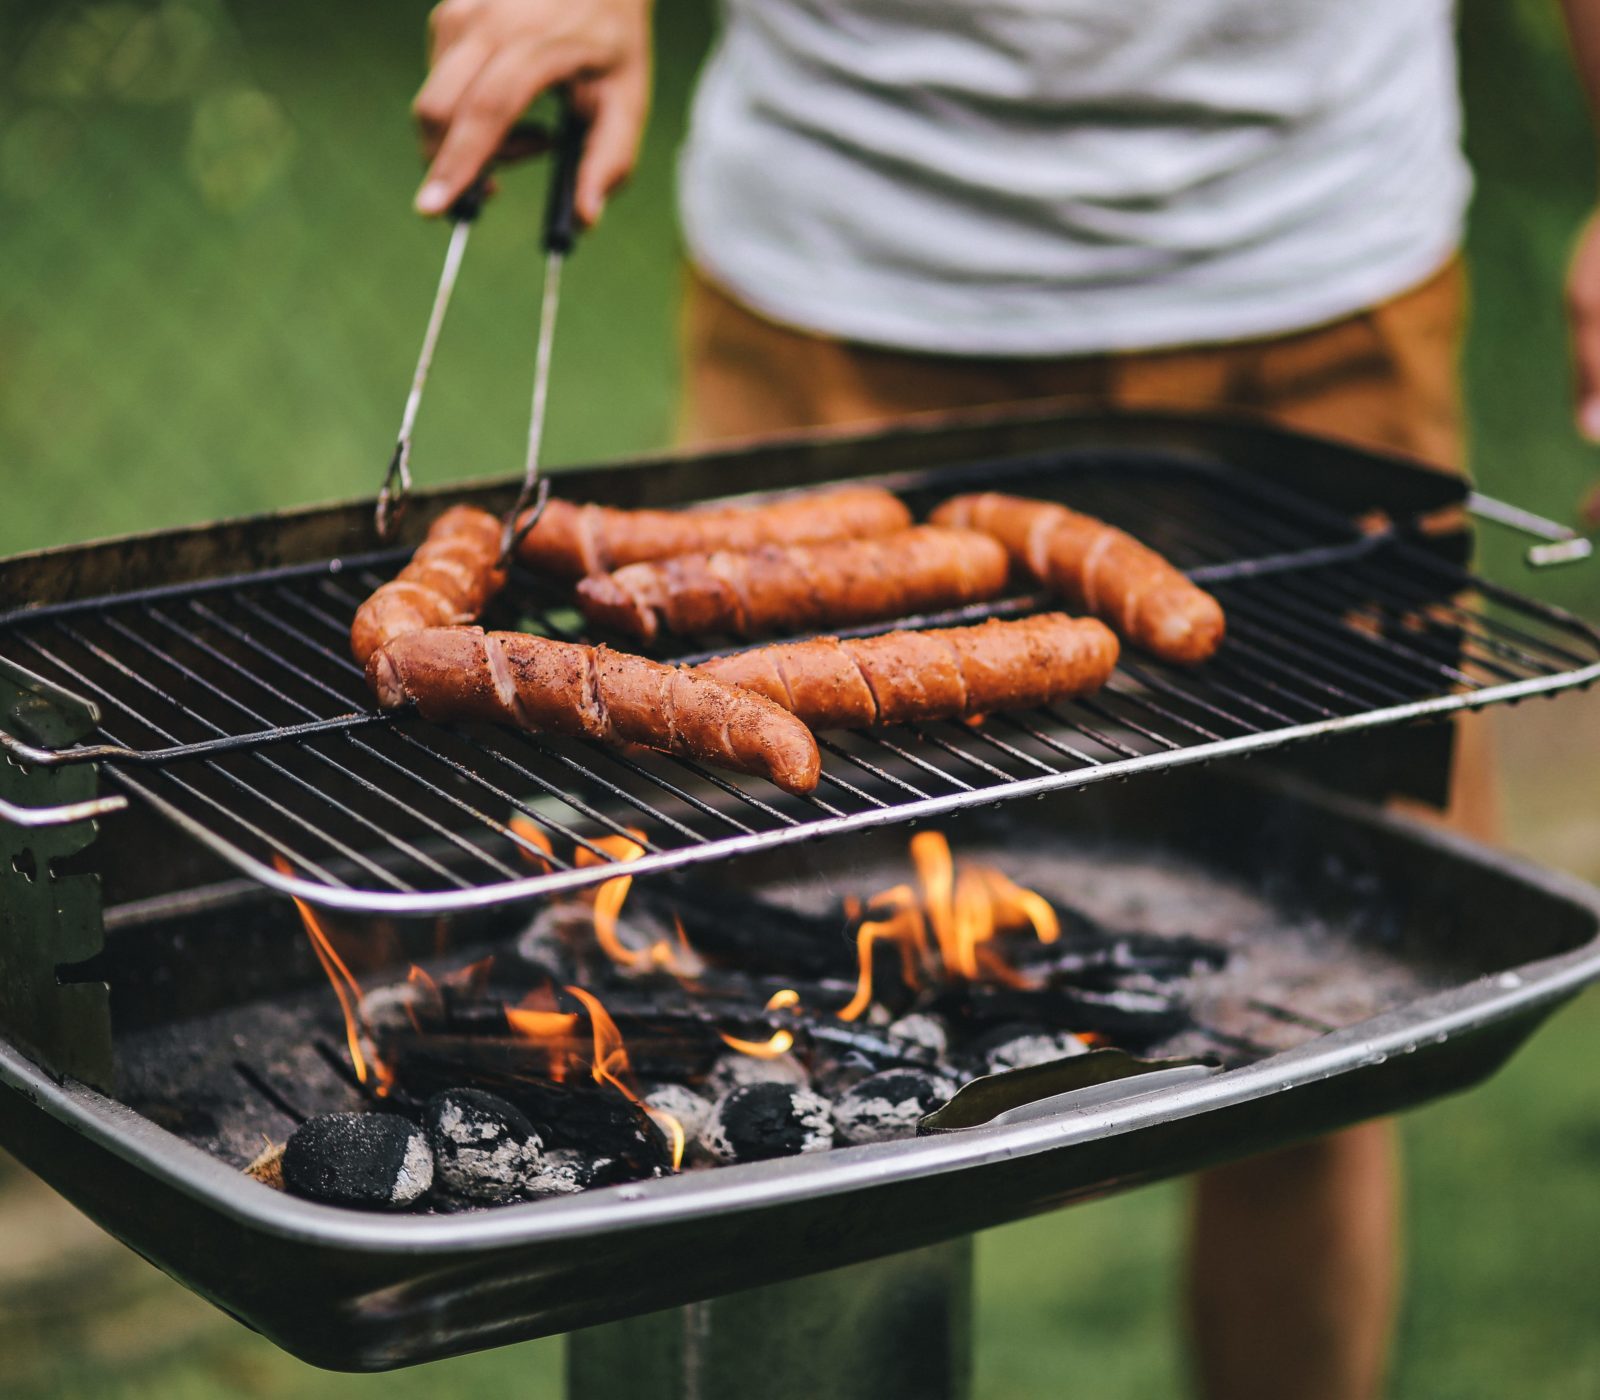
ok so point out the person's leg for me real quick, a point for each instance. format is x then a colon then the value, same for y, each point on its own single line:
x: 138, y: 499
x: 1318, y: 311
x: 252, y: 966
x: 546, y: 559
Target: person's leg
x: 1293, y: 1263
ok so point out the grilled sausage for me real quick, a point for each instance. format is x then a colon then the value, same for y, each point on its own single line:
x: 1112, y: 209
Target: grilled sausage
x: 450, y: 579
x: 951, y: 673
x: 573, y: 540
x: 1097, y: 567
x: 799, y: 587
x: 465, y: 673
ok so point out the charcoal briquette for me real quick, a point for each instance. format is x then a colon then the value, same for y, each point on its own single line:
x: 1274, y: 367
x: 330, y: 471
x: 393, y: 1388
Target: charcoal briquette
x: 733, y: 1070
x: 758, y: 1121
x: 918, y: 1036
x: 1039, y: 1048
x: 685, y: 1105
x: 376, y: 1160
x: 484, y: 1148
x: 890, y: 1105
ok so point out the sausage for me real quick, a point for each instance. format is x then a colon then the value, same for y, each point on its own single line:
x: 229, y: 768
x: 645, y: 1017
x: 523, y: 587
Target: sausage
x: 450, y: 578
x: 573, y: 540
x: 799, y: 587
x: 551, y: 687
x: 1101, y: 569
x: 950, y: 673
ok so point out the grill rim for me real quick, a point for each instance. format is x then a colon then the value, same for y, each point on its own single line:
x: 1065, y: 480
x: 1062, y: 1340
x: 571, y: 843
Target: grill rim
x: 1527, y: 990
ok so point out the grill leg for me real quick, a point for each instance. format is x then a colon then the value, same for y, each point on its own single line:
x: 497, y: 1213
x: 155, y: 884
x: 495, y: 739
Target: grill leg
x: 891, y: 1329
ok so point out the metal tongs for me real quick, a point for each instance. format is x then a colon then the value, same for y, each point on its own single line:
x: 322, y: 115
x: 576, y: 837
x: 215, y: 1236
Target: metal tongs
x: 560, y: 235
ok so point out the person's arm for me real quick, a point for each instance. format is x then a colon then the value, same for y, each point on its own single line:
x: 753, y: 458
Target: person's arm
x: 1583, y: 277
x: 488, y: 59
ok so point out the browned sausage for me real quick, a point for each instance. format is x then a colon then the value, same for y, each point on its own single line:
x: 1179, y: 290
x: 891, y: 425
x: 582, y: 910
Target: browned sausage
x: 465, y: 673
x: 572, y: 540
x: 450, y: 578
x: 1101, y: 569
x: 950, y: 673
x: 800, y: 587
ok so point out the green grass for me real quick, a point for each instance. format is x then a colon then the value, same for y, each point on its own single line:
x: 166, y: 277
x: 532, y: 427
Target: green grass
x: 212, y: 295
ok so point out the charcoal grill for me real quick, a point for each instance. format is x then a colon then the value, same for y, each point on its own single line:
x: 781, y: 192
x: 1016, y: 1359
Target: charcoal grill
x: 201, y: 676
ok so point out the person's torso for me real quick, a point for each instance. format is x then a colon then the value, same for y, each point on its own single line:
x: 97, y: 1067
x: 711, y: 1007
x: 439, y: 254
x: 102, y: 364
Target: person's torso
x: 1054, y: 176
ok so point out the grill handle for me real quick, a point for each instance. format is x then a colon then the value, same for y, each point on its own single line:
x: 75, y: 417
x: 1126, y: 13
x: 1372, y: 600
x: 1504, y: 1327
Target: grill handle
x: 1562, y: 544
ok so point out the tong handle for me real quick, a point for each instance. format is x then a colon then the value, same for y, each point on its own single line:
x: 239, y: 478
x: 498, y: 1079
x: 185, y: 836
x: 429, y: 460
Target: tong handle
x: 561, y: 223
x: 1562, y: 545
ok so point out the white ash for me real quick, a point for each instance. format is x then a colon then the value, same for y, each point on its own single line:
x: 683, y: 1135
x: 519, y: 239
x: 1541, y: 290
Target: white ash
x: 918, y: 1035
x: 890, y: 1105
x: 392, y: 1008
x: 1040, y: 1049
x: 685, y: 1105
x: 758, y: 1121
x: 733, y: 1069
x: 565, y: 1172
x: 484, y: 1147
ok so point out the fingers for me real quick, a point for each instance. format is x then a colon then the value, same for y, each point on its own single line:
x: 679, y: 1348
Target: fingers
x: 618, y: 105
x: 485, y: 112
x: 452, y: 74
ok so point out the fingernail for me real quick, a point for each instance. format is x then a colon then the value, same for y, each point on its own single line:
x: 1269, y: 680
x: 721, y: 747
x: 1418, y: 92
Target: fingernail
x: 433, y: 197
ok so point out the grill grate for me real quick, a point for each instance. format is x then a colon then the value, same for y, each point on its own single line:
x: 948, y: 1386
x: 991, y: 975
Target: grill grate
x: 232, y: 707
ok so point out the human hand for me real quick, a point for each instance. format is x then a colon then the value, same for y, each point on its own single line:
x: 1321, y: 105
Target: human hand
x: 490, y: 58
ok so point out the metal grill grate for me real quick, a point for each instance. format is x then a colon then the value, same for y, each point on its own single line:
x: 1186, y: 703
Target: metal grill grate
x: 233, y: 708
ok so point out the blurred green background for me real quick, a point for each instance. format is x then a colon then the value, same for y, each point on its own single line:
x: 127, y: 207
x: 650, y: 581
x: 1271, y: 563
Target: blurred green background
x: 211, y: 299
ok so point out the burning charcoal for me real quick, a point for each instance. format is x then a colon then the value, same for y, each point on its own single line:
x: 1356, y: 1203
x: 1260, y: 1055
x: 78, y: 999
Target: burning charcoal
x: 918, y: 1037
x: 890, y: 1105
x: 1032, y: 1047
x: 561, y: 1173
x: 758, y: 1121
x: 483, y: 1147
x: 377, y: 1160
x: 685, y: 1105
x: 733, y: 1070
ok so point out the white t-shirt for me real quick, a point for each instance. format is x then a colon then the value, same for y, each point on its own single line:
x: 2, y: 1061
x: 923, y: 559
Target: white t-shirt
x: 1049, y: 177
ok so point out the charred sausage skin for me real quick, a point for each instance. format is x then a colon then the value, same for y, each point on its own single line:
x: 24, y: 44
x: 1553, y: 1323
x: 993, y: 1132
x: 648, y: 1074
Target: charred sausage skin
x: 536, y: 683
x: 798, y: 588
x: 1101, y: 569
x: 949, y: 673
x: 573, y: 540
x: 450, y: 579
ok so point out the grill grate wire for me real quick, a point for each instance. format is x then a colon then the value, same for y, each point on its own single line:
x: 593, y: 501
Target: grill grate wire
x: 233, y: 708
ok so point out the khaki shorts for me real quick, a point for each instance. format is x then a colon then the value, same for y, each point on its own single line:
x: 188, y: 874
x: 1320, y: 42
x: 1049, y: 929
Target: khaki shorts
x: 1385, y: 377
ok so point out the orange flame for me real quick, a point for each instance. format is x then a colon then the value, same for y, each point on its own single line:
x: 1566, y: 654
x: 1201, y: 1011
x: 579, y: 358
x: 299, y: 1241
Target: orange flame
x: 613, y: 894
x: 610, y: 1054
x: 965, y: 906
x: 780, y: 1042
x: 345, y: 988
x: 526, y: 834
x: 669, y: 1124
x: 904, y: 926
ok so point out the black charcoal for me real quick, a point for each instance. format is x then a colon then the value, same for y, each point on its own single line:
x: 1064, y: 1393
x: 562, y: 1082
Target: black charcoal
x: 734, y: 1070
x: 565, y: 1172
x: 890, y: 1105
x: 376, y: 1160
x: 484, y: 1148
x: 759, y: 1121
